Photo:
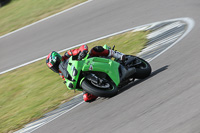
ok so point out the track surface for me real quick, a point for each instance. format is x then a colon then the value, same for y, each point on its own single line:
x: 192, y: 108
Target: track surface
x: 167, y: 102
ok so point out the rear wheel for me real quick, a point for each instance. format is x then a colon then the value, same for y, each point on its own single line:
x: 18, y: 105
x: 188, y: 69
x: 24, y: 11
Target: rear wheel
x: 106, y: 89
x: 143, y: 70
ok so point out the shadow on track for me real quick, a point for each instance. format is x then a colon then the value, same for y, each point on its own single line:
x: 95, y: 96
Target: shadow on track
x: 136, y: 82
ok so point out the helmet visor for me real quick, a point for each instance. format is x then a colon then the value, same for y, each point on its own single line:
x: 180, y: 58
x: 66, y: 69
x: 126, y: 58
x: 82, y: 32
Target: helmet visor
x: 55, y: 67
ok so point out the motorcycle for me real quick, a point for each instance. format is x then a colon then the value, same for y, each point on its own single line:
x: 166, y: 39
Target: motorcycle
x: 103, y: 76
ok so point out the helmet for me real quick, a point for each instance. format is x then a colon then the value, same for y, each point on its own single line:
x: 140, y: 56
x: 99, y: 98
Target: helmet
x: 53, y: 60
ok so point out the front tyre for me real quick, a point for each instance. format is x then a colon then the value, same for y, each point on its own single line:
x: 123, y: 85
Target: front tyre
x: 107, y: 90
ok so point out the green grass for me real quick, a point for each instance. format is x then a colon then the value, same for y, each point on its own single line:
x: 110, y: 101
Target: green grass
x: 19, y: 13
x: 29, y: 92
x: 129, y: 43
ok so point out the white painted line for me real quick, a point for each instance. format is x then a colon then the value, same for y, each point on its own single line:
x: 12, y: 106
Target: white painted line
x: 66, y: 50
x: 35, y: 127
x: 190, y: 23
x: 163, y: 30
x: 189, y: 28
x: 161, y: 43
x: 58, y: 116
x: 32, y: 127
x: 189, y: 20
x: 46, y: 18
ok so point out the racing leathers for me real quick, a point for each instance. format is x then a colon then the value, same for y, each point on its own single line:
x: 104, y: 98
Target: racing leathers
x: 97, y: 51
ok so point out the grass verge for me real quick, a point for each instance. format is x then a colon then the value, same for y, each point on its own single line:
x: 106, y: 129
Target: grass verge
x: 19, y: 13
x: 31, y: 91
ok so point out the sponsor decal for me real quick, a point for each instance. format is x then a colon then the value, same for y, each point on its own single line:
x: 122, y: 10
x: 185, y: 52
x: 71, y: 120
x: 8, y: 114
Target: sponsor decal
x: 91, y: 67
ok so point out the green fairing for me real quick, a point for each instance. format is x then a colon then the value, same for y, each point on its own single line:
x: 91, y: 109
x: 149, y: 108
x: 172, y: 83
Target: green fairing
x: 92, y: 64
x: 70, y: 68
x: 103, y: 65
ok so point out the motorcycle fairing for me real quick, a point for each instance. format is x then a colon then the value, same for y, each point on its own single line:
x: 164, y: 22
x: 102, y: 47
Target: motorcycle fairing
x: 110, y: 67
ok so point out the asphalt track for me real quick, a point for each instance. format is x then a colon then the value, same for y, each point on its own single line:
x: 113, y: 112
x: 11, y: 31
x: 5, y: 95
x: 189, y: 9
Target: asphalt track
x: 167, y: 102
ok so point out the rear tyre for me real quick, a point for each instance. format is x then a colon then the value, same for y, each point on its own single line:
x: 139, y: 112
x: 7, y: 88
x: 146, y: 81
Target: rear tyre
x: 108, y: 90
x: 143, y: 70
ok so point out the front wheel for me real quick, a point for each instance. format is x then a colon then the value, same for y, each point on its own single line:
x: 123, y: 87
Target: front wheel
x: 107, y: 89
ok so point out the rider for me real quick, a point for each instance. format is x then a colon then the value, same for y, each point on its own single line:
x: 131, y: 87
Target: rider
x: 54, y: 59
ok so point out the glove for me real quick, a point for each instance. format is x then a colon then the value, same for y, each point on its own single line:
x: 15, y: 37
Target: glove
x: 82, y: 54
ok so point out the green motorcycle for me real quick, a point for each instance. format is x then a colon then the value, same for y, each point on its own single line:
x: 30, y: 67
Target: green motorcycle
x: 102, y: 76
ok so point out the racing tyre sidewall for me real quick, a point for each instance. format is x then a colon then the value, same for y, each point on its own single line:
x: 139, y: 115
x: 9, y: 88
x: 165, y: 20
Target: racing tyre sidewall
x: 143, y: 72
x: 88, y: 87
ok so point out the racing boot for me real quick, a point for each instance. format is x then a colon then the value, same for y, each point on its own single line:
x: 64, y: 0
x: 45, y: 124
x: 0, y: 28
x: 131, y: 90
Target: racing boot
x: 89, y: 97
x: 117, y: 55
